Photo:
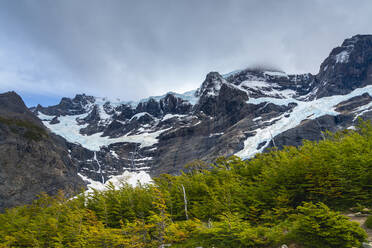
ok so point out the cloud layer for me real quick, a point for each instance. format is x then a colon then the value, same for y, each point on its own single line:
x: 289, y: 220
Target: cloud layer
x: 133, y: 49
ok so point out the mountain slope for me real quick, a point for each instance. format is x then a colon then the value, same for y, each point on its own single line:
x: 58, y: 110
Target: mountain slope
x: 243, y: 113
x: 32, y: 160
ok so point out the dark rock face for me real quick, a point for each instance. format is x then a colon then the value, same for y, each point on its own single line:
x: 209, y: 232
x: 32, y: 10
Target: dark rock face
x: 32, y: 160
x: 92, y: 119
x: 311, y: 130
x: 93, y: 116
x: 114, y: 129
x: 229, y: 101
x: 171, y: 104
x: 348, y: 67
x: 152, y: 107
x: 209, y: 92
x: 54, y: 120
x: 111, y: 160
x: 126, y: 112
x: 353, y: 103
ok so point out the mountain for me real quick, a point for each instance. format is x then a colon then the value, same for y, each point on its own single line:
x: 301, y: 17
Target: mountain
x: 32, y: 159
x: 242, y: 113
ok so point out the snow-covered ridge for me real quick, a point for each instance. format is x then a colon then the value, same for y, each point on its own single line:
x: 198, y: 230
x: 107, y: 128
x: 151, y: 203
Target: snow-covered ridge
x: 276, y: 74
x: 269, y: 73
x: 170, y: 116
x: 188, y: 96
x: 268, y: 89
x: 70, y: 130
x: 139, y: 115
x: 303, y: 110
x: 70, y: 126
x: 233, y: 73
x: 254, y: 80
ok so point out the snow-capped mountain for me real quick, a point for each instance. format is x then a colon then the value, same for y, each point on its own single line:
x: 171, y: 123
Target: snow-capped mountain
x: 242, y: 113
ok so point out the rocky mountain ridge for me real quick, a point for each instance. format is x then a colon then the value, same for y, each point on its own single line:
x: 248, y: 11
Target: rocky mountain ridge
x: 241, y: 113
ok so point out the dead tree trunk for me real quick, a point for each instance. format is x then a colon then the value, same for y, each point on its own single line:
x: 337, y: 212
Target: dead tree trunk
x: 185, y: 200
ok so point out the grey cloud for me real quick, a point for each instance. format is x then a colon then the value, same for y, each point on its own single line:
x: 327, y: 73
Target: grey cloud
x: 132, y: 49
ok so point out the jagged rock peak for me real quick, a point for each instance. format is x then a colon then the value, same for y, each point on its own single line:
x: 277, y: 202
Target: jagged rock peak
x: 347, y: 67
x: 67, y: 106
x: 211, y: 85
x: 83, y: 99
x: 171, y: 104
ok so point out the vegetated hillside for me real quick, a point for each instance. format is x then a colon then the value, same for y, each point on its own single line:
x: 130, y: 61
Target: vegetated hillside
x: 32, y: 160
x: 288, y: 196
x: 243, y: 113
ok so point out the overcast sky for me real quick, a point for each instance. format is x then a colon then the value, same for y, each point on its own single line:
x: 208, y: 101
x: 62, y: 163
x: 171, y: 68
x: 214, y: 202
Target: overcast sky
x: 133, y: 49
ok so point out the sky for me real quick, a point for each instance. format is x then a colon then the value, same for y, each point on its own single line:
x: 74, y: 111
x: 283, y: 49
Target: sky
x: 134, y: 49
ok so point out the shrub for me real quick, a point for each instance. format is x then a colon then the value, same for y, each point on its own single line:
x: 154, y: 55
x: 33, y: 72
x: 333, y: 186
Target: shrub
x: 318, y: 226
x: 368, y: 222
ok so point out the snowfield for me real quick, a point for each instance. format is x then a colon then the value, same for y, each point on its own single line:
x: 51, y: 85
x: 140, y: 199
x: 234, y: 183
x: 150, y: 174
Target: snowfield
x: 70, y: 130
x: 131, y: 178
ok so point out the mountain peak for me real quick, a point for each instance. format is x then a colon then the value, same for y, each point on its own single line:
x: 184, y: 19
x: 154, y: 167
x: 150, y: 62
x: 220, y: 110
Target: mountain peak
x: 211, y: 85
x: 12, y: 105
x: 347, y: 67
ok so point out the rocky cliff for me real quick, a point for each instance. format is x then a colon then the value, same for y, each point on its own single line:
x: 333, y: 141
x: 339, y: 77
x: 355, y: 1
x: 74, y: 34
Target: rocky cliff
x: 32, y: 159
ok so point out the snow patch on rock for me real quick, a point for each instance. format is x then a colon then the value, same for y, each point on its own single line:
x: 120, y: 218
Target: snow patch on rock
x: 342, y: 57
x: 275, y: 74
x: 170, y: 116
x: 131, y: 178
x: 233, y: 73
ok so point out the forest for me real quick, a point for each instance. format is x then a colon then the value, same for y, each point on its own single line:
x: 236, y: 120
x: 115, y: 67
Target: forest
x: 295, y: 196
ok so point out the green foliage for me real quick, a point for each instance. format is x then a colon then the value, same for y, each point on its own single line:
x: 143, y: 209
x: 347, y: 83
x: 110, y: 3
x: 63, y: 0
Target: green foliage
x: 318, y: 226
x: 54, y: 222
x: 230, y: 203
x: 116, y: 206
x: 232, y: 231
x: 368, y: 222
